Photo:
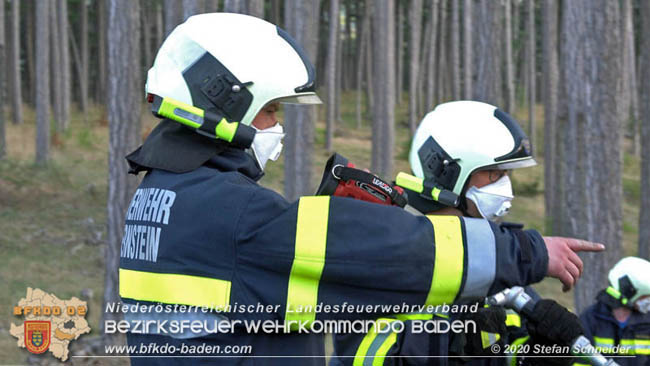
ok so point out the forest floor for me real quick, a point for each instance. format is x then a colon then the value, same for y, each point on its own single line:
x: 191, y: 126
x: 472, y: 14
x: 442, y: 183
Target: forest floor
x: 52, y: 219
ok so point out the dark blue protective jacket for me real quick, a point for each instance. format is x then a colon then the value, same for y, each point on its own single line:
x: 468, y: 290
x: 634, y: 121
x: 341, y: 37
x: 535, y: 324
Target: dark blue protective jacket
x: 214, y: 238
x: 430, y: 348
x: 603, y: 330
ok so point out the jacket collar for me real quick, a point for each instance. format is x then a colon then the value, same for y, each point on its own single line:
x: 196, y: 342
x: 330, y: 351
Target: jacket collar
x: 176, y: 148
x: 236, y: 160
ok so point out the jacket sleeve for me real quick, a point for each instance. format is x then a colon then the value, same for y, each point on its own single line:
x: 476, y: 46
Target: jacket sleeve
x: 340, y: 252
x: 522, y: 256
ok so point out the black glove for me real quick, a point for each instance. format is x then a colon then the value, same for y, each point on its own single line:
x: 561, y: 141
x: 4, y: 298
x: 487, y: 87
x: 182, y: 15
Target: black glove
x: 488, y: 320
x: 555, y: 323
x: 551, y: 324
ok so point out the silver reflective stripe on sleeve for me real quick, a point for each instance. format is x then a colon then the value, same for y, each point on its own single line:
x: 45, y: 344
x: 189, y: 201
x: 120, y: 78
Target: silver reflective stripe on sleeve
x: 481, y: 258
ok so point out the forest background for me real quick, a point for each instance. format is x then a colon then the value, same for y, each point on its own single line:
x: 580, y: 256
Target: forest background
x: 574, y: 73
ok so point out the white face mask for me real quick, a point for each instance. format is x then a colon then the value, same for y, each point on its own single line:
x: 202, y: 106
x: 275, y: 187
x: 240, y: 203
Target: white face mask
x: 492, y: 200
x: 643, y: 305
x: 267, y: 144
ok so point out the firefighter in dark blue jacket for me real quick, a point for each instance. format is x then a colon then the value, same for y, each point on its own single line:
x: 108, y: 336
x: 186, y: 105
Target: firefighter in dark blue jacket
x: 205, y: 245
x: 619, y: 321
x: 468, y: 148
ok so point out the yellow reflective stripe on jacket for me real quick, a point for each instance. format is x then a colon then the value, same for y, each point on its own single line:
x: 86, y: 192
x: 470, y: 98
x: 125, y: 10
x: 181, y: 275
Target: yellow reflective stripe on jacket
x: 488, y: 339
x: 415, y: 316
x: 172, y: 288
x: 512, y: 358
x: 383, y: 349
x: 581, y: 364
x: 513, y: 319
x: 628, y: 346
x: 449, y: 256
x: 309, y: 259
x: 375, y: 345
x: 637, y: 346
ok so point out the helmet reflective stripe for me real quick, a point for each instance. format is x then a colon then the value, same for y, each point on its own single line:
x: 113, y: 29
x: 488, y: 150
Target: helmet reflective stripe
x: 634, y: 271
x: 261, y: 57
x: 471, y: 136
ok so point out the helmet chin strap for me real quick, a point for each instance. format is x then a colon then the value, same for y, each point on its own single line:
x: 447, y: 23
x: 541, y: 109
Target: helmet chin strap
x: 462, y: 206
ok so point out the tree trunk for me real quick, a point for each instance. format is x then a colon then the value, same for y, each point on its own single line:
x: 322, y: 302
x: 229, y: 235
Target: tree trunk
x: 467, y: 48
x: 644, y: 217
x: 383, y: 134
x: 423, y: 67
x: 172, y: 13
x: 145, y: 24
x: 550, y: 67
x: 42, y: 97
x: 66, y: 91
x: 362, y: 24
x: 14, y: 74
x: 235, y: 6
x: 301, y: 21
x: 630, y: 88
x: 455, y: 50
x: 415, y: 21
x: 442, y: 53
x: 276, y: 13
x: 123, y: 108
x: 256, y: 8
x: 331, y: 74
x: 339, y: 73
x: 190, y: 7
x: 3, y: 139
x: 370, y: 100
x: 487, y: 88
x: 521, y: 57
x: 510, y: 72
x: 211, y: 6
x: 100, y: 93
x: 430, y: 97
x: 56, y: 87
x: 347, y: 53
x: 29, y: 51
x: 399, y: 77
x: 78, y: 67
x: 592, y: 203
x: 83, y: 77
x: 531, y: 72
x: 159, y: 29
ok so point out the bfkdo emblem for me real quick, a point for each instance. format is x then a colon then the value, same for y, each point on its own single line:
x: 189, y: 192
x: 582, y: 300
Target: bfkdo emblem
x: 37, y: 335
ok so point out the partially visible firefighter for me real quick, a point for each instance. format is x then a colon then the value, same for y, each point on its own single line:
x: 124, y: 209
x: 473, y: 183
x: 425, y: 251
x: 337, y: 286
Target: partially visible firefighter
x: 461, y: 156
x: 619, y: 322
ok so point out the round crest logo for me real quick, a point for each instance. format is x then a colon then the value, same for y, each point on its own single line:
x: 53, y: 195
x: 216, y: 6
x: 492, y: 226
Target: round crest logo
x: 37, y: 335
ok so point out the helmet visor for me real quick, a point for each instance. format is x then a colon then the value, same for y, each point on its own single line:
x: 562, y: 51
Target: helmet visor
x: 306, y: 98
x: 512, y: 164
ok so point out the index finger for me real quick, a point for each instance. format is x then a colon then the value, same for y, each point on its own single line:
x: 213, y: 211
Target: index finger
x: 578, y: 245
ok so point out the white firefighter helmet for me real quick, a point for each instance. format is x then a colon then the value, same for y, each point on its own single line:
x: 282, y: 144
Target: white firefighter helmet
x: 231, y: 64
x: 458, y: 138
x: 630, y: 278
